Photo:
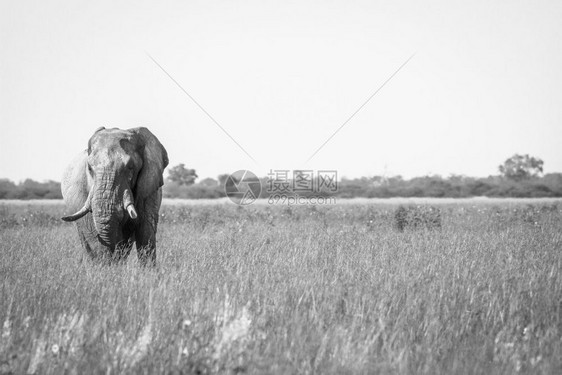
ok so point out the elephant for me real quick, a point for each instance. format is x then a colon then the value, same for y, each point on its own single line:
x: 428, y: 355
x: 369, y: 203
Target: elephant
x: 114, y: 188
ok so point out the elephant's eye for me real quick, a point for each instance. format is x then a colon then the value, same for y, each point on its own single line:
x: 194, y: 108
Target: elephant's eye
x: 90, y: 169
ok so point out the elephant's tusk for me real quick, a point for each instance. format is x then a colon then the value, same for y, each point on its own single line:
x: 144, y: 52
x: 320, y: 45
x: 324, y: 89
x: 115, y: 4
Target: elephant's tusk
x: 132, y: 212
x: 128, y: 204
x: 83, y: 211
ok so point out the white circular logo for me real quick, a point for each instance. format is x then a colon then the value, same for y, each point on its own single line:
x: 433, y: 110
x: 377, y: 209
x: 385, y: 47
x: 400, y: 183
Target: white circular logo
x: 242, y: 187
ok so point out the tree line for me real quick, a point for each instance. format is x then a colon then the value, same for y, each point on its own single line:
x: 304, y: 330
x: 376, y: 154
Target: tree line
x: 29, y: 189
x: 549, y: 185
x: 519, y: 176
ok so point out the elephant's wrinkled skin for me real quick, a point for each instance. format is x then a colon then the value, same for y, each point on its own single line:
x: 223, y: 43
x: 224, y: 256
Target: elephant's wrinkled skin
x: 114, y: 188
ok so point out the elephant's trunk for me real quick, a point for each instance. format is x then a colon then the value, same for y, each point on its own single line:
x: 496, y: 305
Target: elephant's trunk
x: 109, y: 203
x: 107, y: 211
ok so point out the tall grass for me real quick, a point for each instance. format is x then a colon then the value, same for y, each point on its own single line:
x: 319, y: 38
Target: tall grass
x: 267, y: 289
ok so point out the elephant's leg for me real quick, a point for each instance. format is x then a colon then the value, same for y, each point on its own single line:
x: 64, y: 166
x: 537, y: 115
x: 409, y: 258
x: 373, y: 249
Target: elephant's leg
x: 145, y: 234
x: 122, y: 251
x: 124, y: 247
x: 146, y: 243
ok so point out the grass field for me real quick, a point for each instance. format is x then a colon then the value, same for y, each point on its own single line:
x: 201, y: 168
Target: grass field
x: 286, y: 290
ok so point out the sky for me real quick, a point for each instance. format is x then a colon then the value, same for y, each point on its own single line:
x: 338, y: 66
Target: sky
x: 280, y: 77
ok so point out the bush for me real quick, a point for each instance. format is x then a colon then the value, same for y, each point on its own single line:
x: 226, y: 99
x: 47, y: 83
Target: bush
x: 422, y: 217
x: 30, y: 189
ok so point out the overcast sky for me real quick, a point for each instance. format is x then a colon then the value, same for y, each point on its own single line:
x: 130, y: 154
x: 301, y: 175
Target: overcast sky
x: 280, y: 77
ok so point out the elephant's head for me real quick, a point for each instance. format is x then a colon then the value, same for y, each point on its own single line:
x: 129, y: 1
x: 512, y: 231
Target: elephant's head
x: 124, y: 167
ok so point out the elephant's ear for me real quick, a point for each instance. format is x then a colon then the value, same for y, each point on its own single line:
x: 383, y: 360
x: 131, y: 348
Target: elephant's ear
x: 155, y: 159
x: 90, y: 140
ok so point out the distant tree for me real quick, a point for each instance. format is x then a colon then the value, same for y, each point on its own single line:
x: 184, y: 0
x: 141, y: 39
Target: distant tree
x: 554, y: 182
x: 222, y: 179
x: 29, y: 189
x: 182, y: 175
x: 209, y: 182
x: 33, y: 189
x: 8, y: 190
x: 379, y: 180
x: 54, y: 191
x: 520, y: 167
